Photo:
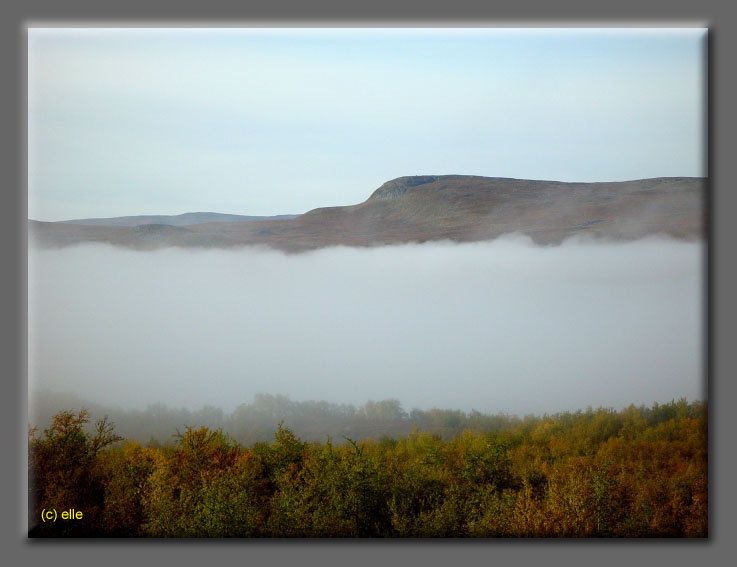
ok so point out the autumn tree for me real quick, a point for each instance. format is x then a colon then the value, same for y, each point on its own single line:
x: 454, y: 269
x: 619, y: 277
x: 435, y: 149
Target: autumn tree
x: 63, y: 474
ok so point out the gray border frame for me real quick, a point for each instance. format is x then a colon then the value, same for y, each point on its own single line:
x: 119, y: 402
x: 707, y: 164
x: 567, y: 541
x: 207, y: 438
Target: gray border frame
x: 575, y: 13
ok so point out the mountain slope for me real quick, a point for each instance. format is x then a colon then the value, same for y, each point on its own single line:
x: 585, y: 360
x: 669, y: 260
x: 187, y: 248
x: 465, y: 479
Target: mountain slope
x: 431, y: 207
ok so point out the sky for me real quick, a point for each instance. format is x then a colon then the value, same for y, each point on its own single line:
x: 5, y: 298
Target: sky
x: 264, y: 122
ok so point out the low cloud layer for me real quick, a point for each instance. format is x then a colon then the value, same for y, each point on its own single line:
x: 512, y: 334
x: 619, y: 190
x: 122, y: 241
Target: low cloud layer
x: 495, y: 326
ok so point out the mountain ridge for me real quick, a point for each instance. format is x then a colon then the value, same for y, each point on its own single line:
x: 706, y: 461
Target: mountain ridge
x: 435, y: 207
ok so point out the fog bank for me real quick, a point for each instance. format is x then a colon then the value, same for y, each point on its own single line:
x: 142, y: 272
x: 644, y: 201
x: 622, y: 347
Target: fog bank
x: 502, y: 326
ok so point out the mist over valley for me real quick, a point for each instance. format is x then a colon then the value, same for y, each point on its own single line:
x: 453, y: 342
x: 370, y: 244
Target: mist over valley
x: 501, y: 326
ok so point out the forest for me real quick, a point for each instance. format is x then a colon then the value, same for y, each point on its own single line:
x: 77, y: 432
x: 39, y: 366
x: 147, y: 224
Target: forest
x: 600, y: 473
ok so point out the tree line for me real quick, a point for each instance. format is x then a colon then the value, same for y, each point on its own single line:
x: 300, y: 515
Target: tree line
x: 311, y: 421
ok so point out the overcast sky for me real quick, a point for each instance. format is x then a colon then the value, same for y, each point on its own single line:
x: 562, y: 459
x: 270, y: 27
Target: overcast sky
x: 260, y: 122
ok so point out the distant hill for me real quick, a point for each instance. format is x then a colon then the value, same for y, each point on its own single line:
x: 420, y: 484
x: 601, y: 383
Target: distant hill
x: 172, y: 220
x: 433, y: 207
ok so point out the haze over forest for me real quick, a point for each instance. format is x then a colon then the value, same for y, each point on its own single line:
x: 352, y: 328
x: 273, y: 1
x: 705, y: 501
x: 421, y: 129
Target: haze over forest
x: 501, y: 326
